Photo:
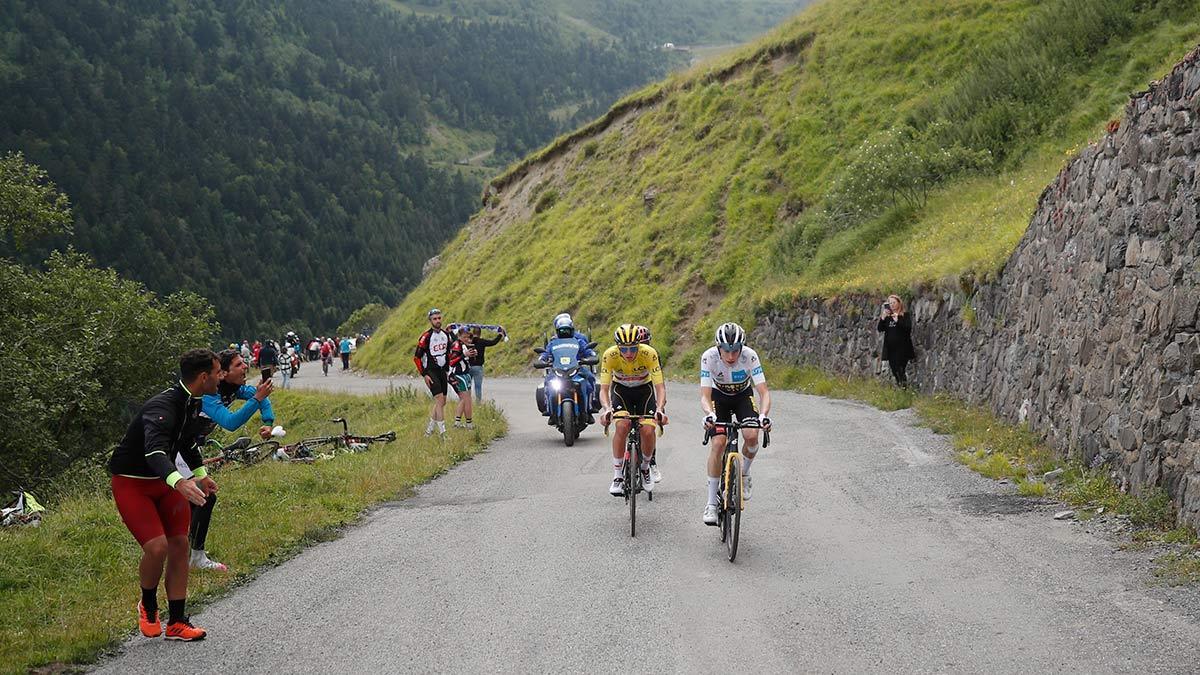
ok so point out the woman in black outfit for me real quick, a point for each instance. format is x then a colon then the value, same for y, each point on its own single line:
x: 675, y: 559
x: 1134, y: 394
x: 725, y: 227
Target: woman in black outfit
x: 897, y: 338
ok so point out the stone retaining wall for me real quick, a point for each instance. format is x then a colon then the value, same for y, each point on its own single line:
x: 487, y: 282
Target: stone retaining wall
x: 1091, y: 333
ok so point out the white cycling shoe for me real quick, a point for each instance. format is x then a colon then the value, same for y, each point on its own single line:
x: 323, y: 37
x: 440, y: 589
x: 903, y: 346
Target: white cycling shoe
x: 745, y: 488
x: 710, y: 514
x: 647, y: 481
x: 655, y: 473
x: 617, y: 488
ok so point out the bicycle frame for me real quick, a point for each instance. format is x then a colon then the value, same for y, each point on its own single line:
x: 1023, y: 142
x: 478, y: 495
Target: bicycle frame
x: 733, y: 438
x: 730, y: 514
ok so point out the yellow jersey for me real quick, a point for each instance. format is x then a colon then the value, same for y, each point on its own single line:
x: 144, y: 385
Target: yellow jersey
x: 643, y: 369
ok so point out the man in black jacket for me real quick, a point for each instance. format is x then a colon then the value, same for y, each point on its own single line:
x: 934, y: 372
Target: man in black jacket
x: 152, y: 496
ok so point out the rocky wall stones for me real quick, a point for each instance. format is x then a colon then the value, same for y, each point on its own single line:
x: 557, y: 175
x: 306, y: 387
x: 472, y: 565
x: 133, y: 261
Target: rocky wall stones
x: 1090, y: 334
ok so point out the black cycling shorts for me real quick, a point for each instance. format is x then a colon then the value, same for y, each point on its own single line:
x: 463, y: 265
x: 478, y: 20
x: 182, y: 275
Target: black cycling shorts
x: 437, y: 381
x: 740, y: 406
x: 637, y: 400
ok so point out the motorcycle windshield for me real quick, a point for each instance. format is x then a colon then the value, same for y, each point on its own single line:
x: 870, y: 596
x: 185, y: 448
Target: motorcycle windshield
x: 564, y: 354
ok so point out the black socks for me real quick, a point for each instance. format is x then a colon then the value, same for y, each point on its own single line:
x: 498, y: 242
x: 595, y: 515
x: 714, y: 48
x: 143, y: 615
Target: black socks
x: 176, y: 610
x: 150, y: 601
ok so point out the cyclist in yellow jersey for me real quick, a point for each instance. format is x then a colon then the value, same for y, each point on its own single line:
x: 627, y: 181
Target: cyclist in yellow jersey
x: 631, y: 380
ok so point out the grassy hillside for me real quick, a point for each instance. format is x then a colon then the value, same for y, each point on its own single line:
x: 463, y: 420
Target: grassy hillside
x: 865, y: 145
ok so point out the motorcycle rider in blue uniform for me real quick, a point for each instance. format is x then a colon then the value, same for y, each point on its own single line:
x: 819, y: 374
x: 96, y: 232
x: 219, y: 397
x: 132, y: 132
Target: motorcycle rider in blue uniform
x: 564, y: 329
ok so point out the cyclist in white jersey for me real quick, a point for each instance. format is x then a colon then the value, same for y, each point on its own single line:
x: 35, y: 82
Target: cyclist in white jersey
x: 730, y: 373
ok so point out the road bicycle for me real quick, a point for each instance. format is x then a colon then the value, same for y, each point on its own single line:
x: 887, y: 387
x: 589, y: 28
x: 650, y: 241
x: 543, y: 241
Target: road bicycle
x: 631, y: 478
x: 729, y: 494
x: 242, y: 451
x: 325, y: 447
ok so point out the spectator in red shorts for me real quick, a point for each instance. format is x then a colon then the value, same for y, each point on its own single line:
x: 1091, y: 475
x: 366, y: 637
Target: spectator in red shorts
x: 151, y: 495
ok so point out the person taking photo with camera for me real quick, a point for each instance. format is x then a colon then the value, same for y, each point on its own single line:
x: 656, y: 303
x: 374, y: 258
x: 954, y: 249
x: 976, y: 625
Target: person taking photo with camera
x: 896, y: 327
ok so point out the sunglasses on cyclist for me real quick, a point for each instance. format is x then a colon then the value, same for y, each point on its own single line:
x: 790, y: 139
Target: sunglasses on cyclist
x: 628, y: 350
x: 729, y: 348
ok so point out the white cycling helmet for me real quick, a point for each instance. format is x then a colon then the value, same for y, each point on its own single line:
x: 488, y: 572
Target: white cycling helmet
x: 731, y: 335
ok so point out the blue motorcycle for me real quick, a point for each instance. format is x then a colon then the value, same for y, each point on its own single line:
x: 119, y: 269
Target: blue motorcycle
x: 565, y: 395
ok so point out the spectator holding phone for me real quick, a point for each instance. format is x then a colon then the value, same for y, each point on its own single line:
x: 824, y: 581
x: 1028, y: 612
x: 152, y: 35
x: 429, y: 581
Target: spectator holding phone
x: 896, y: 327
x: 480, y: 343
x: 215, y: 411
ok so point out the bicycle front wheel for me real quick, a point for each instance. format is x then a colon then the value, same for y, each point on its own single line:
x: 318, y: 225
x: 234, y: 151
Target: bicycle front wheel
x: 733, y: 507
x: 259, y: 451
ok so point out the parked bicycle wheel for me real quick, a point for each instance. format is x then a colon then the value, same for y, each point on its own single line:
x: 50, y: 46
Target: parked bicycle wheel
x: 258, y: 452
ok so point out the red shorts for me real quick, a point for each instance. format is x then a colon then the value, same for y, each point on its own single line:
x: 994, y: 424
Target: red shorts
x: 150, y: 508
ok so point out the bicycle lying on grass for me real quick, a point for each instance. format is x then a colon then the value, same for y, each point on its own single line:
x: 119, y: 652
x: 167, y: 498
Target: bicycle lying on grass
x: 632, y: 476
x: 326, y: 447
x: 242, y: 451
x: 729, y: 494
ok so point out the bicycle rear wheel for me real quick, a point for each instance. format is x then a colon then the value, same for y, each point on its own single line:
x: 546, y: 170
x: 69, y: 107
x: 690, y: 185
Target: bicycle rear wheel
x: 733, y: 507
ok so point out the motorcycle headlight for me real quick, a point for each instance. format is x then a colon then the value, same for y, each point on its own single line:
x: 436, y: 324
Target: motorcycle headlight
x: 556, y: 384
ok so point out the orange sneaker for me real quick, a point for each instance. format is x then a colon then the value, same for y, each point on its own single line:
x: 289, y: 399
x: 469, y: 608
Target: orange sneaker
x: 150, y: 626
x: 185, y: 631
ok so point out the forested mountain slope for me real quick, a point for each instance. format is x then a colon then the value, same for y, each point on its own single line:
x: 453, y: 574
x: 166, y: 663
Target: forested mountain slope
x: 269, y: 154
x: 864, y: 146
x: 684, y: 22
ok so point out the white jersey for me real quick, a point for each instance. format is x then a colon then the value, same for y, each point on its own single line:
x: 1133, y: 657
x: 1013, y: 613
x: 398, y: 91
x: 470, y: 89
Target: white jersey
x: 731, y: 378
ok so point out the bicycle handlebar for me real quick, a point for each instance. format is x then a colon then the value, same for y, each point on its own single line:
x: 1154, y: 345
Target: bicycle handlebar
x: 737, y: 426
x: 636, y: 417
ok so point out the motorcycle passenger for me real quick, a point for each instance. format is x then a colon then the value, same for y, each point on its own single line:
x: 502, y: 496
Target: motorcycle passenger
x: 730, y: 373
x: 631, y: 380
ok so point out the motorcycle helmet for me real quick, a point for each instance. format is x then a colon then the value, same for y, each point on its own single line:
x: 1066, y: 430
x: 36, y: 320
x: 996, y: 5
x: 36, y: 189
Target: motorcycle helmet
x: 626, y: 335
x: 730, y: 337
x: 564, y: 327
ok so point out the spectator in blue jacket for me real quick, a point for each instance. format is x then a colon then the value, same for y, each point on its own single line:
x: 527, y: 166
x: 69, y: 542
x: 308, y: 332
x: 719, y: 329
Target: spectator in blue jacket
x: 344, y: 348
x: 215, y: 409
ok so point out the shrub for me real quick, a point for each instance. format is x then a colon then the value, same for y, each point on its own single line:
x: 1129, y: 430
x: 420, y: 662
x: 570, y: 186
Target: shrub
x: 897, y: 169
x: 546, y: 200
x: 365, y: 319
x: 81, y: 349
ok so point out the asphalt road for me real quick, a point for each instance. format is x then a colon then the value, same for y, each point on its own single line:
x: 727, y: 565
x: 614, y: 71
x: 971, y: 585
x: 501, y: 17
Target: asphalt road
x: 866, y: 549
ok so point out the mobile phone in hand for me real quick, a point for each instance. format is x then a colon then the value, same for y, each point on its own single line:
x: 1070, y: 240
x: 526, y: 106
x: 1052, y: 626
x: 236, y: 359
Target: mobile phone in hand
x: 266, y: 374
